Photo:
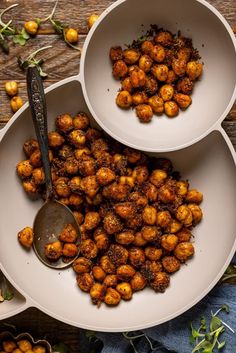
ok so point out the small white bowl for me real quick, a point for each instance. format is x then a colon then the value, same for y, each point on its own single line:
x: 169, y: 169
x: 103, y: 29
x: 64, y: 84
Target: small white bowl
x: 213, y: 95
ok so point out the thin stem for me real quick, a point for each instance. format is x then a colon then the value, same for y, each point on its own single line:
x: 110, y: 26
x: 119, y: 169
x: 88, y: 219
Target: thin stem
x: 2, y: 13
x: 52, y: 13
x: 5, y: 26
x: 31, y: 56
x: 131, y: 338
x: 228, y: 277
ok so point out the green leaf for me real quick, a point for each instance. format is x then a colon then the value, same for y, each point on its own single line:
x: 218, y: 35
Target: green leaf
x: 208, y: 337
x: 225, y: 307
x: 4, y: 45
x: 61, y: 348
x: 8, y: 295
x: 215, y: 323
x: 221, y: 345
x: 90, y: 334
x: 203, y: 323
x: 18, y: 39
x: 38, y: 21
x: 24, y: 34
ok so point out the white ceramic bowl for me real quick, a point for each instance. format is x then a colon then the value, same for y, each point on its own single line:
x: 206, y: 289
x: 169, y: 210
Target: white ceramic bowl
x: 213, y: 95
x: 210, y: 167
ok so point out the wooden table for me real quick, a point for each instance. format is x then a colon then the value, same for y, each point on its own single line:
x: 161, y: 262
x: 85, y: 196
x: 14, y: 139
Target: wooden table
x: 62, y: 62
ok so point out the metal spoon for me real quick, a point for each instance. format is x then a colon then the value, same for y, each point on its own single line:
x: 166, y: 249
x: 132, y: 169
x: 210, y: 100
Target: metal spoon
x: 53, y: 216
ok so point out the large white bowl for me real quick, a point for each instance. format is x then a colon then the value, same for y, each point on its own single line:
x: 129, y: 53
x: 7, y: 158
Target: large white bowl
x: 213, y: 95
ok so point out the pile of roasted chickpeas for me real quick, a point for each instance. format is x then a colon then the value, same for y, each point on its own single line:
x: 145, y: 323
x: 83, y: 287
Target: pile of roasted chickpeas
x: 157, y: 75
x: 135, y: 214
x: 19, y: 346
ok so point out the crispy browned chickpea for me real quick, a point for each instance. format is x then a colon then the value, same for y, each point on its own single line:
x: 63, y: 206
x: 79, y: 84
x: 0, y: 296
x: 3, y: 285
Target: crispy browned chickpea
x: 85, y: 281
x: 55, y: 140
x: 30, y: 146
x: 37, y: 349
x: 112, y: 297
x: 127, y: 85
x: 179, y: 67
x: 138, y: 282
x: 133, y: 68
x: 172, y: 77
x: 90, y: 185
x: 127, y: 180
x: 79, y: 217
x: 88, y: 249
x: 136, y: 256
x: 157, y: 104
x: 184, y: 215
x: 18, y: 350
x: 171, y: 109
x: 158, y: 177
x: 131, y: 56
x: 30, y: 187
x: 145, y: 63
x: 194, y: 70
x: 138, y: 78
x: 69, y: 250
x: 64, y: 123
x: 26, y: 237
x: 86, y: 165
x: 92, y: 134
x: 24, y: 345
x: 125, y: 210
x: 116, y: 191
x: 35, y: 159
x: 82, y: 265
x: 11, y: 88
x: 153, y: 253
x: 160, y: 72
x: 91, y: 220
x: 184, y: 85
x: 125, y: 238
x: 68, y: 234
x: 77, y: 138
x: 16, y: 103
x: 24, y: 169
x: 135, y: 222
x: 164, y: 164
x: 75, y: 200
x: 120, y: 69
x: 184, y: 235
x: 97, y: 293
x: 184, y: 53
x: 98, y: 146
x: 167, y: 92
x: 133, y: 155
x: 125, y: 272
x: 149, y: 215
x: 183, y: 100
x: 125, y: 290
x: 194, y: 196
x: 196, y: 212
x: 151, y: 85
x: 118, y: 254
x: 81, y: 121
x: 170, y: 264
x: 53, y: 250
x: 163, y: 218
x: 139, y: 98
x: 147, y: 47
x: 149, y: 268
x: 150, y: 233
x: 110, y: 280
x: 105, y: 176
x: 112, y: 223
x: 183, y: 251
x: 158, y: 53
x: 107, y: 265
x: 140, y: 174
x: 144, y: 112
x: 160, y: 281
x: 74, y: 184
x: 139, y: 199
x: 164, y: 38
x: 167, y: 192
x: 38, y: 176
x: 62, y: 188
x: 71, y: 166
x: 79, y: 152
x: 116, y: 53
x: 98, y: 273
x: 169, y: 241
x: 182, y: 187
x: 139, y: 240
x: 174, y: 226
x: 124, y: 100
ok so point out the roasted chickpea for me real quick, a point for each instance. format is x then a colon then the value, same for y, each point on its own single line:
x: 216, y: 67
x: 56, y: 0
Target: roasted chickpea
x: 160, y: 281
x: 38, y: 176
x: 79, y: 217
x: 24, y: 345
x: 153, y: 253
x: 127, y: 180
x: 85, y: 281
x: 139, y: 240
x: 131, y: 56
x: 69, y: 250
x: 149, y: 268
x: 135, y: 222
x: 112, y: 223
x: 125, y: 238
x: 196, y: 212
x: 79, y: 152
x: 92, y: 134
x: 26, y: 237
x: 133, y: 68
x: 30, y: 146
x: 64, y: 123
x: 38, y: 349
x: 160, y: 72
x: 90, y: 185
x: 139, y: 199
x: 184, y: 85
x: 116, y: 191
x: 151, y: 85
x: 170, y: 264
x: 145, y: 63
x: 71, y: 35
x: 120, y: 69
x: 92, y: 19
x: 183, y: 100
x: 118, y: 254
x: 127, y: 85
x: 179, y: 67
x: 194, y: 70
x: 125, y: 272
x: 30, y: 187
x: 124, y: 100
x: 62, y: 188
x: 105, y: 176
x: 112, y: 297
x: 157, y: 104
x: 137, y: 78
x: 71, y: 166
x: 171, y: 109
x: 125, y: 290
x: 184, y: 235
x: 16, y: 103
x: 77, y: 138
x: 150, y: 191
x: 147, y: 47
x: 55, y: 140
x: 158, y: 177
x: 138, y: 282
x: 184, y: 53
x: 158, y: 53
x: 183, y: 251
x: 167, y: 92
x: 169, y: 241
x: 172, y: 77
x: 18, y: 350
x: 11, y: 87
x: 125, y: 210
x: 163, y: 219
x: 164, y: 164
x: 110, y: 281
x: 150, y: 233
x: 144, y: 112
x: 35, y: 158
x: 194, y: 196
x: 24, y: 169
x: 53, y: 251
x: 88, y: 249
x: 164, y: 38
x: 107, y: 265
x: 86, y: 165
x: 167, y: 193
x: 182, y: 187
x: 184, y: 215
x: 82, y: 265
x: 98, y: 273
x: 139, y: 98
x: 91, y: 220
x: 81, y: 121
x: 97, y: 293
x: 140, y: 174
x: 68, y: 234
x: 136, y: 256
x: 74, y: 184
x: 116, y: 53
x: 149, y: 215
x: 174, y: 226
x: 31, y: 27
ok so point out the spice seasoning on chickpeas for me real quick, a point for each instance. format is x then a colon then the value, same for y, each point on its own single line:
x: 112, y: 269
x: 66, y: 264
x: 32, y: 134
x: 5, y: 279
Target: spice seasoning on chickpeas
x: 136, y: 215
x: 157, y: 74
